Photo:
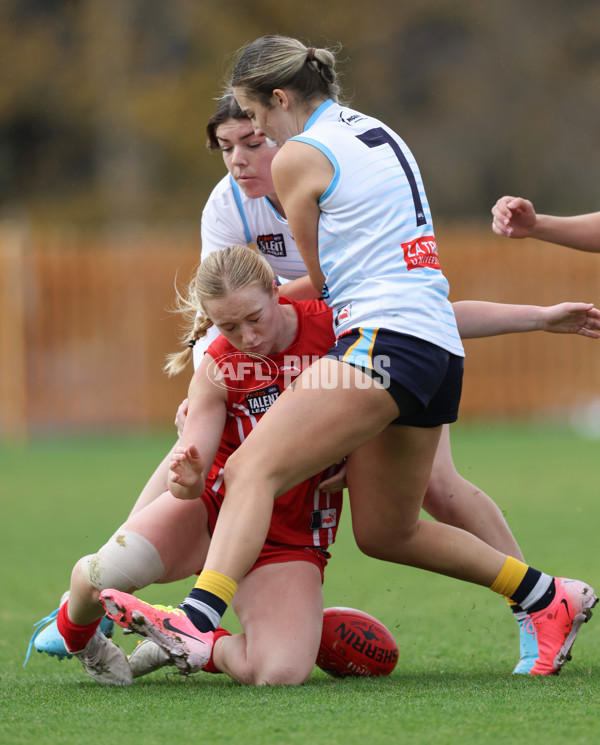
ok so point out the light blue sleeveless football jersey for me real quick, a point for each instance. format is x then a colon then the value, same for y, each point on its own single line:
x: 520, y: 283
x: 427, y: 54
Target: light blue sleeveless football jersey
x: 376, y: 242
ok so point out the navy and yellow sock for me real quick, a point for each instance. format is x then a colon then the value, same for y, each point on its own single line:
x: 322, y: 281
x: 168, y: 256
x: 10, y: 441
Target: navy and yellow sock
x: 525, y: 586
x: 208, y: 601
x: 516, y: 609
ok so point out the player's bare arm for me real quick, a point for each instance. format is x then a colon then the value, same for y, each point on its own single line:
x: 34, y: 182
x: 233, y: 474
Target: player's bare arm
x: 301, y: 173
x: 193, y: 457
x: 581, y: 232
x: 476, y: 319
x: 515, y: 217
x: 299, y: 289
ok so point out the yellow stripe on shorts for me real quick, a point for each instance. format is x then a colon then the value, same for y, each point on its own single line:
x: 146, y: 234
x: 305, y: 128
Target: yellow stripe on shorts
x: 365, y: 356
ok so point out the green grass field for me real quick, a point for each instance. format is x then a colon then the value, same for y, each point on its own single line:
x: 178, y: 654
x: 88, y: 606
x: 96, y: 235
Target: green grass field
x: 458, y: 643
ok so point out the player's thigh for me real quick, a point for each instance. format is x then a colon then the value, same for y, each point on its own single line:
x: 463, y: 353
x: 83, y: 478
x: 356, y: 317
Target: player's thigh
x: 387, y: 478
x: 178, y: 529
x: 330, y: 410
x: 443, y: 462
x: 280, y: 608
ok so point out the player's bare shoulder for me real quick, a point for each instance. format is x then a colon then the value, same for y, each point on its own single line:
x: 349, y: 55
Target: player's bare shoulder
x: 300, y: 163
x: 205, y: 382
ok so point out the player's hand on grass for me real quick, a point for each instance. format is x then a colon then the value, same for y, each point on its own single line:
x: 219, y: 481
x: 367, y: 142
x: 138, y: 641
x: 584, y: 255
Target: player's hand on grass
x: 572, y: 318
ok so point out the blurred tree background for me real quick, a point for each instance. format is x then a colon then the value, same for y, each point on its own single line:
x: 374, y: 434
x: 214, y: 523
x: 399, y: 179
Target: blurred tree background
x: 103, y: 103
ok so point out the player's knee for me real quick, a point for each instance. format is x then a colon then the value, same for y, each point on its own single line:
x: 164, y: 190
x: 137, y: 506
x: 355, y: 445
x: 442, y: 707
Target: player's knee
x: 445, y: 495
x: 236, y: 469
x: 281, y: 674
x: 438, y: 499
x: 285, y: 677
x: 232, y: 470
x: 80, y: 582
x: 241, y: 469
x: 384, y: 541
x: 274, y: 667
x: 127, y: 562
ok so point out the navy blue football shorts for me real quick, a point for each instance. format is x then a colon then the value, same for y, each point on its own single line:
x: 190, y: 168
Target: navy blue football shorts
x: 424, y: 380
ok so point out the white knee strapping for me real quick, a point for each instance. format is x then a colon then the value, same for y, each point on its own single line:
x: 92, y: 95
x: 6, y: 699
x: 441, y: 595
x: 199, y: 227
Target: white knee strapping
x: 127, y: 562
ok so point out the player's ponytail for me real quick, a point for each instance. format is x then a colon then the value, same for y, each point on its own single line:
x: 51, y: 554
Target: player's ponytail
x: 272, y: 62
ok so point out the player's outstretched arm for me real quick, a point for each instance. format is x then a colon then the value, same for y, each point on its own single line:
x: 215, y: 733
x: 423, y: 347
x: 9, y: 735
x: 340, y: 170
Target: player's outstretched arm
x: 476, y: 319
x: 514, y: 217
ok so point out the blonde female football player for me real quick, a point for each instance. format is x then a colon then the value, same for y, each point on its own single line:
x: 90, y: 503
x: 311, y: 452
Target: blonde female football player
x: 279, y: 602
x: 354, y: 200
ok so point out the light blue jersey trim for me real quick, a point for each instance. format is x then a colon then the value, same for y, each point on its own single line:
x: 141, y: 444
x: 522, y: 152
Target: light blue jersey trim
x: 361, y: 352
x: 330, y: 157
x: 317, y: 113
x: 238, y: 200
x: 326, y: 152
x: 273, y: 210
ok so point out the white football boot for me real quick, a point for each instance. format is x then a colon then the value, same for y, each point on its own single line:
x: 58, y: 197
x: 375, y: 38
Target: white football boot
x: 105, y: 662
x: 146, y: 658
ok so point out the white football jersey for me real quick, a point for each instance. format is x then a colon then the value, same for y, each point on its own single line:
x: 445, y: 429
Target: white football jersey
x: 376, y: 242
x: 230, y: 218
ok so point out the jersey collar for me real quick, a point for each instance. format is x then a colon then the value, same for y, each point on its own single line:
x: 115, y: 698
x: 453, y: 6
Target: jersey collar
x: 317, y: 113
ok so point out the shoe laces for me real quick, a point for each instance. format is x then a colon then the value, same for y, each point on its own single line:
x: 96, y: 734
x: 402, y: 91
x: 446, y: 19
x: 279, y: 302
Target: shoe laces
x: 528, y: 626
x: 169, y: 609
x: 39, y: 626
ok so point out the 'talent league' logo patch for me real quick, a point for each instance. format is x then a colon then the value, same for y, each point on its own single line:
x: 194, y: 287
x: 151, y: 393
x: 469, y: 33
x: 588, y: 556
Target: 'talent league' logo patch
x: 271, y: 245
x: 259, y: 401
x: 421, y: 252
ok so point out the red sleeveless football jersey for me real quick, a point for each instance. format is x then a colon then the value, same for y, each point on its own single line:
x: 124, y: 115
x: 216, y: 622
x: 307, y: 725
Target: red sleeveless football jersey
x: 304, y: 516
